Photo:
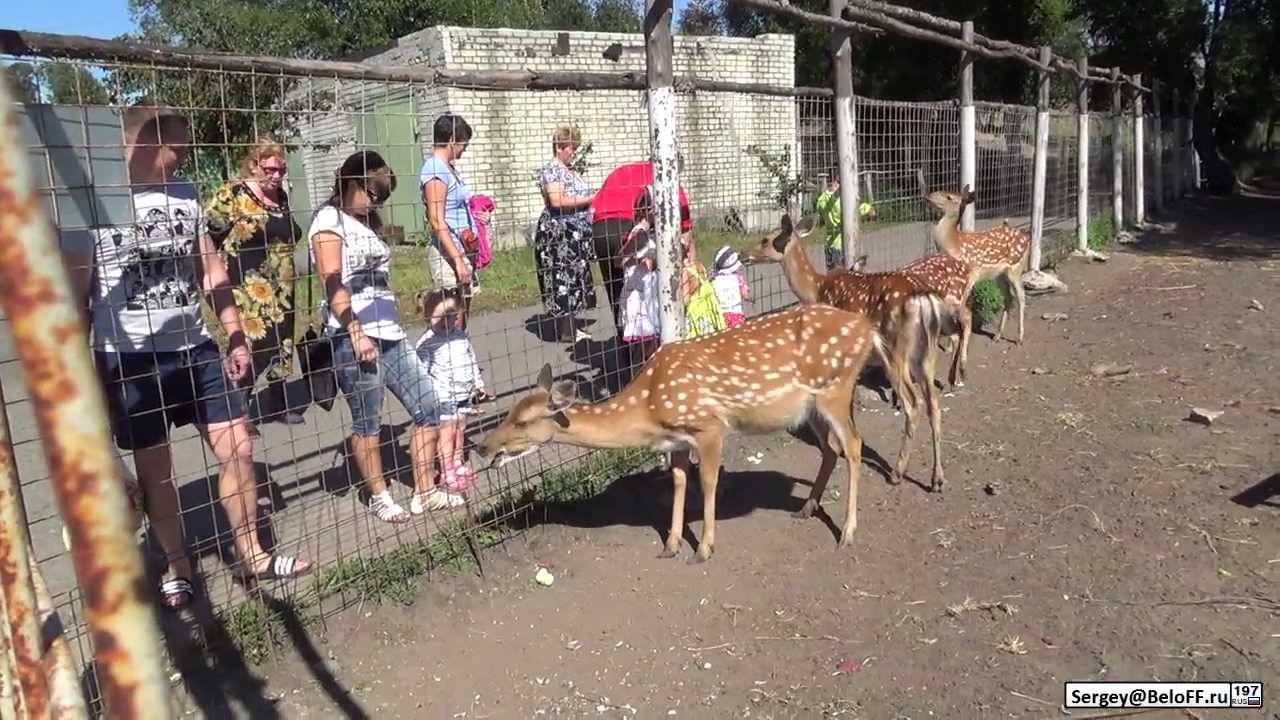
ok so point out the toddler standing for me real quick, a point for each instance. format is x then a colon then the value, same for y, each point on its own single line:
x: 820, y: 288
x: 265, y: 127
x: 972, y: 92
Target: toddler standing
x: 446, y: 351
x: 730, y: 285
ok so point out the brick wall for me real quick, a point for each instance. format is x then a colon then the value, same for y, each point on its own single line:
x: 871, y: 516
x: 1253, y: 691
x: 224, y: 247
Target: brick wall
x: 513, y: 128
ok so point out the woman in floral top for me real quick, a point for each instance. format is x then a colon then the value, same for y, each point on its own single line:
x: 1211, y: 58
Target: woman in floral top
x: 562, y: 245
x: 250, y: 223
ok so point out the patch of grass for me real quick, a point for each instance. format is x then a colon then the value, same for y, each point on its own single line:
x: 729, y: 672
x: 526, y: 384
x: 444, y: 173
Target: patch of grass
x: 1101, y: 231
x: 255, y: 629
x: 987, y: 300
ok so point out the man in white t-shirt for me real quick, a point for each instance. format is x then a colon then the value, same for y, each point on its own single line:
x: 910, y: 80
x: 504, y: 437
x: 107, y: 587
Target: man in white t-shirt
x: 143, y: 278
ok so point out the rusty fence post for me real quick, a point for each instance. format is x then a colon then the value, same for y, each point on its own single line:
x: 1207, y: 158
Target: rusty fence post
x: 51, y: 338
x: 15, y: 579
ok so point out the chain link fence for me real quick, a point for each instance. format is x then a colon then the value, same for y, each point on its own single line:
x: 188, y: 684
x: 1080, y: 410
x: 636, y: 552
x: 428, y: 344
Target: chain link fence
x: 551, y: 292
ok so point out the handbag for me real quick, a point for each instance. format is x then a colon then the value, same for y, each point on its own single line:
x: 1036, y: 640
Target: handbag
x: 315, y: 355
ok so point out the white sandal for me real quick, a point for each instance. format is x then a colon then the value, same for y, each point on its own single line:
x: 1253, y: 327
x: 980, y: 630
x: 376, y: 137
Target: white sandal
x: 386, y: 509
x: 435, y: 499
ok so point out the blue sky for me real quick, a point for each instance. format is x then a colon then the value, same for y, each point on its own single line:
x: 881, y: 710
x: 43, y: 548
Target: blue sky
x: 95, y: 18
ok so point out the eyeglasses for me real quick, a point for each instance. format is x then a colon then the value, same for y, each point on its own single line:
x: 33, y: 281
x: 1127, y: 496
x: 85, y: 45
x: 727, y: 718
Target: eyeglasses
x: 273, y: 169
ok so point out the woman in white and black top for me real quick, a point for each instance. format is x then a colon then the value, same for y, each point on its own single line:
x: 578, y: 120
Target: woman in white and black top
x: 371, y: 352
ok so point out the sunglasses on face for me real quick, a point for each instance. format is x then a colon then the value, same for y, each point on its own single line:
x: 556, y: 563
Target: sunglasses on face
x: 273, y: 169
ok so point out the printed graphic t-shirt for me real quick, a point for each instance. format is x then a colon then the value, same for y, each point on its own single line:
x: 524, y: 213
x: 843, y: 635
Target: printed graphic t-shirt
x: 147, y: 294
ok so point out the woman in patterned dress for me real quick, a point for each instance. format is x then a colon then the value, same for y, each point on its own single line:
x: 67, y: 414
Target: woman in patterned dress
x: 251, y: 225
x: 562, y: 244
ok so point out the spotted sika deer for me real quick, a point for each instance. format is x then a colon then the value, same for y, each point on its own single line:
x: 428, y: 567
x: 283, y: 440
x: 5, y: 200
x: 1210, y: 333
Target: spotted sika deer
x: 910, y: 309
x: 1000, y: 251
x: 770, y: 374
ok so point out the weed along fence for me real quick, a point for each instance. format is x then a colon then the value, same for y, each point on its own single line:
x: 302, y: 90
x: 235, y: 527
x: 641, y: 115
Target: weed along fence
x: 723, y: 125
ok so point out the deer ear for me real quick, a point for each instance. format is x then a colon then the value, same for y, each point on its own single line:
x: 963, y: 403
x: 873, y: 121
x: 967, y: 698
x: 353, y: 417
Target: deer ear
x: 563, y: 394
x: 786, y: 224
x: 544, y: 378
x: 859, y: 264
x: 806, y: 226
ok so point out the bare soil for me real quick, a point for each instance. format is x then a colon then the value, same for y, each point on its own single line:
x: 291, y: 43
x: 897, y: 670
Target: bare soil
x: 1088, y: 530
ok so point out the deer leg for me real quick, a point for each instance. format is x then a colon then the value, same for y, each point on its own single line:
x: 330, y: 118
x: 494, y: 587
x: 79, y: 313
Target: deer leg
x: 825, y: 437
x: 1015, y: 282
x: 904, y: 453
x: 960, y: 362
x: 709, y: 447
x: 833, y: 408
x: 679, y: 479
x: 935, y: 422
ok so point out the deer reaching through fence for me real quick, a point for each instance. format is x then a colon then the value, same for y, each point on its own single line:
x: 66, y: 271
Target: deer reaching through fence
x: 910, y: 307
x: 1000, y: 251
x: 770, y: 374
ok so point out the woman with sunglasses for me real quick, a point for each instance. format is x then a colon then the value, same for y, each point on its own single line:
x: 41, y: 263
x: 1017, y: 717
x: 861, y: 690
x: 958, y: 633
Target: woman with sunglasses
x: 250, y: 222
x: 371, y: 353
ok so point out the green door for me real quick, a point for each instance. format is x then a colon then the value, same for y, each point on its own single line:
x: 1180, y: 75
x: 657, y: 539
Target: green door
x: 391, y: 131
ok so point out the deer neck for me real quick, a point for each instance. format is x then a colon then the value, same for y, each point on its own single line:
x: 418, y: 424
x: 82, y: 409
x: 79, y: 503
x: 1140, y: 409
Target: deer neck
x: 946, y: 234
x: 802, y: 276
x: 614, y: 423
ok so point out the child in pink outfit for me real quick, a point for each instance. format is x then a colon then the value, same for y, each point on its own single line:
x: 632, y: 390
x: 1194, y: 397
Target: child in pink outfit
x: 730, y: 285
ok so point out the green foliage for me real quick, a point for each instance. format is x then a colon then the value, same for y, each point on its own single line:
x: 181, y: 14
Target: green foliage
x: 61, y: 83
x: 786, y: 187
x: 987, y: 300
x: 700, y: 17
x: 582, y: 158
x: 1100, y: 232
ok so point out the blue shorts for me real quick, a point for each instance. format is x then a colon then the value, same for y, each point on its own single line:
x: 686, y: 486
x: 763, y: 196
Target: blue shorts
x: 397, y: 369
x: 149, y: 392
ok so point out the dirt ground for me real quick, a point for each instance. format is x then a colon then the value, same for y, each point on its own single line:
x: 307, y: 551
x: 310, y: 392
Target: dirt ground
x: 1088, y: 530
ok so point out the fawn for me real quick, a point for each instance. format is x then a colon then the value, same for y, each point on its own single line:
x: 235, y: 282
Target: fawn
x: 1000, y: 251
x: 910, y: 309
x: 772, y: 373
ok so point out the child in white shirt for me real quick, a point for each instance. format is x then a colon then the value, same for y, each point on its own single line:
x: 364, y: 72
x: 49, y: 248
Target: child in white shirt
x: 450, y: 359
x: 730, y: 285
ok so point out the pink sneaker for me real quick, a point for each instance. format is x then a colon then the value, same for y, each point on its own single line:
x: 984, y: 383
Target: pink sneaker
x: 457, y: 478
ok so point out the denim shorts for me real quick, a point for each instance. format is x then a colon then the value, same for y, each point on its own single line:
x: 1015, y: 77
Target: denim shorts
x: 149, y: 391
x: 397, y: 369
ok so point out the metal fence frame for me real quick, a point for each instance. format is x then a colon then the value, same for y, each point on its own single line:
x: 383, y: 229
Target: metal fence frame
x: 900, y: 149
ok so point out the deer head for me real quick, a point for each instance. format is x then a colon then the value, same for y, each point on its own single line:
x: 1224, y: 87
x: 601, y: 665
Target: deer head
x: 951, y: 202
x: 773, y: 247
x: 532, y: 422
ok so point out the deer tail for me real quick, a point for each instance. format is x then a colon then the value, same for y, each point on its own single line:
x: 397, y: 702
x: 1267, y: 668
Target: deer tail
x: 930, y: 317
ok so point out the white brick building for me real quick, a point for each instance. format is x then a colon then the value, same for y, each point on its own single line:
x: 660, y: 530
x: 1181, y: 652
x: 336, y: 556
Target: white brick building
x: 513, y: 128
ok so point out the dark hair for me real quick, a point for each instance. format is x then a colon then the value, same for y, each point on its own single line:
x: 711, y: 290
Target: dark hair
x: 450, y: 128
x: 643, y: 205
x: 365, y: 169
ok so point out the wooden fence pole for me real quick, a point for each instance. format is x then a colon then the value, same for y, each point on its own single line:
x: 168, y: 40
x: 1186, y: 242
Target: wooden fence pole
x: 968, y: 127
x: 1117, y: 154
x: 1041, y: 163
x: 666, y: 183
x: 1139, y: 184
x: 1082, y: 160
x: 846, y: 133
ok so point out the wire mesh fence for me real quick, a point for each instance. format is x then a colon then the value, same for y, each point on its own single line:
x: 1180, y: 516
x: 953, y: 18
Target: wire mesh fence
x: 262, y: 165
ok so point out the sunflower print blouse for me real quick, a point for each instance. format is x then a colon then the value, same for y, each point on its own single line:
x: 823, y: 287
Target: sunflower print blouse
x: 257, y: 244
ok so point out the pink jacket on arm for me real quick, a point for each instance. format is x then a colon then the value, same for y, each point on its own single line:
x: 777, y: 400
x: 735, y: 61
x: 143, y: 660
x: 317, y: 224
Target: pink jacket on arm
x: 482, y: 203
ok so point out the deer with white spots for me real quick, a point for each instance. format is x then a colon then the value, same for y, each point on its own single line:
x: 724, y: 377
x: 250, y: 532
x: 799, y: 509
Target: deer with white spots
x: 1000, y: 251
x: 910, y: 310
x: 770, y: 374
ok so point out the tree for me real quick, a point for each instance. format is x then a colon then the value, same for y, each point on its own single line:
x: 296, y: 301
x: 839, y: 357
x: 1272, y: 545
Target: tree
x: 23, y: 81
x: 701, y: 17
x: 618, y: 15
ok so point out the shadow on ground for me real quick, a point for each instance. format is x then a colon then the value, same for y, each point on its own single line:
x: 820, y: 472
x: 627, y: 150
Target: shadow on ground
x: 1223, y: 228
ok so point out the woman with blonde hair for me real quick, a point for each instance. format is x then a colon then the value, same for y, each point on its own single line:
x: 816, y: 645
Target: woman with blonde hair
x: 250, y: 223
x: 562, y: 244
